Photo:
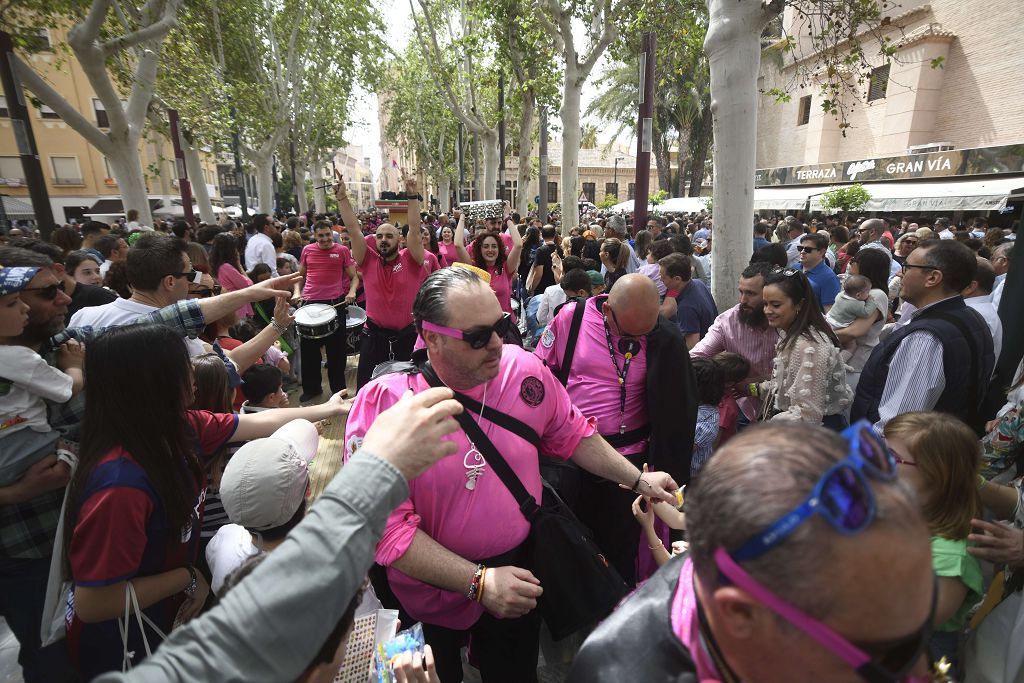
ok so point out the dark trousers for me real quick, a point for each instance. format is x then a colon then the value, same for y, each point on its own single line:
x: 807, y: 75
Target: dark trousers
x: 381, y: 345
x: 22, y: 593
x: 607, y: 511
x: 505, y: 650
x: 309, y: 350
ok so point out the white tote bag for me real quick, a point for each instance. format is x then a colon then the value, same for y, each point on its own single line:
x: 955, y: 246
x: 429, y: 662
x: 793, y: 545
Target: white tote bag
x: 131, y: 606
x: 58, y: 586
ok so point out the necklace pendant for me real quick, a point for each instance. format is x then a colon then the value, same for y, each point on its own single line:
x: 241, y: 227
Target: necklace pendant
x: 621, y: 381
x: 470, y: 481
x: 474, y: 463
x: 622, y: 429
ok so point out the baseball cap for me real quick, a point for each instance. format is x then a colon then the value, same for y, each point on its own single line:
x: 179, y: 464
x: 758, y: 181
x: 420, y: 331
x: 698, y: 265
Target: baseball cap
x: 265, y: 481
x: 15, y: 279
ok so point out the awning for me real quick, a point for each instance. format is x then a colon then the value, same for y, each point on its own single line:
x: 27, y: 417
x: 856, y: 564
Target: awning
x: 17, y: 209
x: 781, y: 198
x: 114, y: 207
x: 950, y: 195
x: 675, y: 204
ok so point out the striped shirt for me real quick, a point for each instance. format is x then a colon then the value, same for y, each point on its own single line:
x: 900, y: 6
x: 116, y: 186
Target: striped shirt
x: 757, y: 345
x: 704, y: 437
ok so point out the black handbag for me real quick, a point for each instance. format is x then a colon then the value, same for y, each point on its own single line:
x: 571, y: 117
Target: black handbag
x: 580, y: 586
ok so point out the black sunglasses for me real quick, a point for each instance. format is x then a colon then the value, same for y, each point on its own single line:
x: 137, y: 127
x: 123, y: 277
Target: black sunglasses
x: 49, y: 292
x: 807, y: 250
x: 476, y: 337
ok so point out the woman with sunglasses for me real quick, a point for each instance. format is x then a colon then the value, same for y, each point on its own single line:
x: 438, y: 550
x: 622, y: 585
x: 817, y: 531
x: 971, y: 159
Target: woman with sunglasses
x: 135, y: 504
x: 939, y: 457
x: 488, y: 253
x: 808, y: 382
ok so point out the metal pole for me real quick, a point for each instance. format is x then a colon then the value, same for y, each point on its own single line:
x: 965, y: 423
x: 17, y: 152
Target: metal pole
x: 25, y: 139
x: 644, y: 132
x: 542, y: 180
x: 615, y: 179
x: 184, y: 186
x: 239, y: 173
x: 501, y: 136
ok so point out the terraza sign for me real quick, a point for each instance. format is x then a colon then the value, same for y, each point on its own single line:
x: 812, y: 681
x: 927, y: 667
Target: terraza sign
x: 962, y: 162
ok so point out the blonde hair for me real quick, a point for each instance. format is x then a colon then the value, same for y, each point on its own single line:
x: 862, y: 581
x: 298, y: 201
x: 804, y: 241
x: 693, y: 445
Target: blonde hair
x: 948, y: 457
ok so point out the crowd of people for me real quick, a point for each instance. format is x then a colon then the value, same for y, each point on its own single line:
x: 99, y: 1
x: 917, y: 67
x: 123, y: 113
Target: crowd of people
x: 817, y: 456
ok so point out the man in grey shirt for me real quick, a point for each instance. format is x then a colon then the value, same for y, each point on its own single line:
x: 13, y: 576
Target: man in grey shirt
x: 271, y: 625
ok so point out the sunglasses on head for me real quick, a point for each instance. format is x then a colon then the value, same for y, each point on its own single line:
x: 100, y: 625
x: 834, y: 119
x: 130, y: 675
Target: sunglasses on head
x: 193, y: 276
x: 48, y: 292
x: 476, y: 337
x: 842, y: 495
x: 785, y: 272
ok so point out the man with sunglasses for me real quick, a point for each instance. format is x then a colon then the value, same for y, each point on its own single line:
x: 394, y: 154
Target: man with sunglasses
x: 943, y: 358
x: 454, y: 549
x: 808, y: 561
x: 824, y: 282
x: 629, y: 368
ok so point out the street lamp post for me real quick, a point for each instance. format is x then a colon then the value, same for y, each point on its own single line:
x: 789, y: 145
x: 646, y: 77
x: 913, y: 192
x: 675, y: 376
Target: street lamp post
x: 615, y: 175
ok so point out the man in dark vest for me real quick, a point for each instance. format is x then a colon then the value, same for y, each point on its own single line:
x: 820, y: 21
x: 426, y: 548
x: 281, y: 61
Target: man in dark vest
x: 943, y: 358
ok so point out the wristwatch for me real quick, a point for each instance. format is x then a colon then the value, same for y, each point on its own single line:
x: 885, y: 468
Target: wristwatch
x: 193, y: 583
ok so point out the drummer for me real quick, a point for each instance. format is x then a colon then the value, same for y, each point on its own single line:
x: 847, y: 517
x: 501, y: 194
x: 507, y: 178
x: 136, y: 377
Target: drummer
x: 328, y: 277
x: 391, y: 278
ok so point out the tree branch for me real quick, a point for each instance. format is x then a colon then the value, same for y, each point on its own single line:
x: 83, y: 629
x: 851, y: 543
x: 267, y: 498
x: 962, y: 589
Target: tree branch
x: 152, y: 32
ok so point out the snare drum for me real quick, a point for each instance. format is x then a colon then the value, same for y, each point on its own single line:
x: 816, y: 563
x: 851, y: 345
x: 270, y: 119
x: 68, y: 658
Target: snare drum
x: 316, y: 321
x: 355, y: 320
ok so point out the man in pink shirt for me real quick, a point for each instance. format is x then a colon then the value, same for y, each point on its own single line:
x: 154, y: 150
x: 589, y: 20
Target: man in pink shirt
x: 328, y: 273
x: 391, y: 277
x: 628, y: 368
x: 461, y: 526
x: 743, y: 329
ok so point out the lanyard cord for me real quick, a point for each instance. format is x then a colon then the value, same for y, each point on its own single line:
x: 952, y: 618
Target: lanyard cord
x: 621, y: 374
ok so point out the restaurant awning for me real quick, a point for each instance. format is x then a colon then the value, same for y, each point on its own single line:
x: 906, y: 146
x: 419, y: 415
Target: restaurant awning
x: 114, y: 207
x: 949, y: 195
x: 675, y: 204
x: 17, y: 209
x: 782, y: 198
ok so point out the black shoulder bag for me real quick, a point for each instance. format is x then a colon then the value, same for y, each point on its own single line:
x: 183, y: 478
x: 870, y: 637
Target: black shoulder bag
x: 580, y: 586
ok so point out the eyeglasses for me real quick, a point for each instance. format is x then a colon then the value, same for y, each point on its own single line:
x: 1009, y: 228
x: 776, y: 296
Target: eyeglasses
x: 890, y: 661
x: 842, y: 495
x: 477, y: 337
x: 49, y: 292
x: 807, y: 250
x: 901, y: 461
x: 193, y: 276
x: 912, y: 265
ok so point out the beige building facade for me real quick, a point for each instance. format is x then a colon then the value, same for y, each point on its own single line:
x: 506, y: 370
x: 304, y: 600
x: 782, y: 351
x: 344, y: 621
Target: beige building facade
x: 77, y: 175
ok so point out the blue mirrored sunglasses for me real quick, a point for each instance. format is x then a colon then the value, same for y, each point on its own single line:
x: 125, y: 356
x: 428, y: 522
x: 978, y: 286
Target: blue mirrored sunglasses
x: 842, y: 495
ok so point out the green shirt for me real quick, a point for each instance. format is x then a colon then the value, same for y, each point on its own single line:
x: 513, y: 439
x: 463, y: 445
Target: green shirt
x: 950, y: 559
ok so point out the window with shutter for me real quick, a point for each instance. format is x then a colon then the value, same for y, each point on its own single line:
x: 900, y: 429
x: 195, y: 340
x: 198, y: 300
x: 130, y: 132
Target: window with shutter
x: 66, y: 171
x: 878, y: 83
x: 804, y: 114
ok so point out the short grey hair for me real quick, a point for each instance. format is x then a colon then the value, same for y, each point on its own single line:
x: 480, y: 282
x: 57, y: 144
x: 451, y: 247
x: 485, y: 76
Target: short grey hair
x: 759, y: 476
x: 431, y: 302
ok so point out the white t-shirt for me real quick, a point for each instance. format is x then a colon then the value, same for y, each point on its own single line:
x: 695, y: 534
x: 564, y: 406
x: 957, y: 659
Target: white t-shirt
x: 123, y: 312
x: 229, y: 548
x: 25, y: 380
x: 259, y: 249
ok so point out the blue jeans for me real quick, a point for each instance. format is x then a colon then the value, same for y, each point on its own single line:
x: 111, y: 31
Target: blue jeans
x: 22, y: 593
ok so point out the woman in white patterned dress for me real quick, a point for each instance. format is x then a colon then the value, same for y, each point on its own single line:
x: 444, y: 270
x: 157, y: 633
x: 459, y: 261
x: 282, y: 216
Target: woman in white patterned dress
x: 808, y: 382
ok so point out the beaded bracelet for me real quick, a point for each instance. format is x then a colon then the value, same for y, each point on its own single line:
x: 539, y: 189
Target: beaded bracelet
x: 474, y: 585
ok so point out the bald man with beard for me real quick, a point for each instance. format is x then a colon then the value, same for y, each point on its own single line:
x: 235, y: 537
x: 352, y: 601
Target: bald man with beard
x: 626, y: 366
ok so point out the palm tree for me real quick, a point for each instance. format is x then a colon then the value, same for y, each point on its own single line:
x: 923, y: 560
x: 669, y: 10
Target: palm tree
x: 589, y: 139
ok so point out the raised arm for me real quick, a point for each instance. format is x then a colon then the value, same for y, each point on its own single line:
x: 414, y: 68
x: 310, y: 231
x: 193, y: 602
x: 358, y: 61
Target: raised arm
x: 413, y: 243
x: 517, y: 242
x: 217, y: 307
x: 348, y: 216
x: 248, y: 353
x: 460, y: 239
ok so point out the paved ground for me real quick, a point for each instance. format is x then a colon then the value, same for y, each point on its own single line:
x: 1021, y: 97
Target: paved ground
x: 554, y: 660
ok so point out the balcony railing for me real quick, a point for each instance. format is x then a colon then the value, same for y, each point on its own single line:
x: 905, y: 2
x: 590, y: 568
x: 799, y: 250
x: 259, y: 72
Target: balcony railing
x: 68, y: 181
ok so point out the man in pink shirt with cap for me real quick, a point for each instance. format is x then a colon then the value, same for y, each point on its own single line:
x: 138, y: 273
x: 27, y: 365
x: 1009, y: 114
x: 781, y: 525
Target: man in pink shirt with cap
x: 391, y: 275
x: 460, y: 526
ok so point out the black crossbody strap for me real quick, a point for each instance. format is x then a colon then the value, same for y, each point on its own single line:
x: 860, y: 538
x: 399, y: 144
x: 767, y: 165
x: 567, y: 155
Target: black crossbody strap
x: 570, y: 344
x: 527, y: 504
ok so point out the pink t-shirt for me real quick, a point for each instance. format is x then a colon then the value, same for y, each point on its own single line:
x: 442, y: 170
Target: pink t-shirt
x: 326, y: 278
x: 390, y: 287
x: 430, y: 262
x: 449, y: 253
x: 231, y: 279
x: 486, y: 521
x: 501, y: 283
x: 593, y: 383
